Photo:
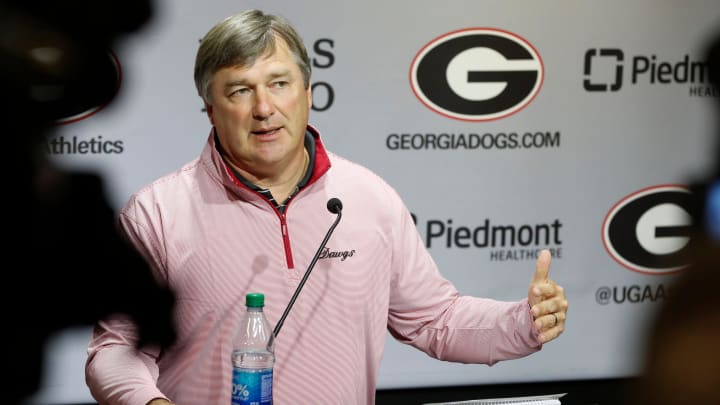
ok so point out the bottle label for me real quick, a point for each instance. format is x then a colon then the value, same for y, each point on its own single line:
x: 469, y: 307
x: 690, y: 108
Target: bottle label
x: 252, y: 387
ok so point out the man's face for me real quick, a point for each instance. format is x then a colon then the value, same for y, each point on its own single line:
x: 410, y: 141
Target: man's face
x: 261, y: 112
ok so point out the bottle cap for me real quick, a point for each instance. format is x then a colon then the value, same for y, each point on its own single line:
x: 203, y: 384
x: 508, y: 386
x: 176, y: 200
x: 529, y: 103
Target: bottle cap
x: 255, y: 300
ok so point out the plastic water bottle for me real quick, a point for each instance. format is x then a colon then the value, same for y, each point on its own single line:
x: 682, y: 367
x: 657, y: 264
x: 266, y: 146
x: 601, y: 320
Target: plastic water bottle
x: 252, y: 359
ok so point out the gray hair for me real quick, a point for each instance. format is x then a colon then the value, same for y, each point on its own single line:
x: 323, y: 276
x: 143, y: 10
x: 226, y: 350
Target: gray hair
x: 239, y: 40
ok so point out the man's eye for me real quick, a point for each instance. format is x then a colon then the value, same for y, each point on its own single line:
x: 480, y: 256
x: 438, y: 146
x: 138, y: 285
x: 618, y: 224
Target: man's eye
x: 280, y: 84
x: 240, y: 91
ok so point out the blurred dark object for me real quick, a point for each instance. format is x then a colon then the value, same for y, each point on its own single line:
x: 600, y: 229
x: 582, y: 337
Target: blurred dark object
x: 712, y: 54
x: 52, y: 53
x: 681, y: 363
x: 706, y: 204
x: 66, y: 264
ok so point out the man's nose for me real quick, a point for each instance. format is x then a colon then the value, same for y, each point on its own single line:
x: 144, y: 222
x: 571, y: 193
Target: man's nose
x: 262, y: 107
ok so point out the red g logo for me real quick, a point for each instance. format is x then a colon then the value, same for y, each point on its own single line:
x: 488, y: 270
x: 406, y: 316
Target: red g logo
x: 649, y: 231
x: 477, y: 74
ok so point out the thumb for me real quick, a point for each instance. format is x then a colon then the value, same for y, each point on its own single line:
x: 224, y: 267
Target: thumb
x: 542, y: 267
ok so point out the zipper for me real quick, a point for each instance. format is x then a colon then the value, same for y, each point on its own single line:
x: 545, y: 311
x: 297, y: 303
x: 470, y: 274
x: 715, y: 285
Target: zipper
x: 283, y: 220
x: 286, y: 239
x: 283, y: 229
x: 284, y: 232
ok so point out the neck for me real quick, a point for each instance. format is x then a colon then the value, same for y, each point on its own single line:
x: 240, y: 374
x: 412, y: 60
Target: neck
x: 282, y: 185
x: 283, y: 188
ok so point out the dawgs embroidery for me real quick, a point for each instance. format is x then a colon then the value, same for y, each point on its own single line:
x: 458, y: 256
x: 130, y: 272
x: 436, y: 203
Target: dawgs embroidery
x: 329, y: 254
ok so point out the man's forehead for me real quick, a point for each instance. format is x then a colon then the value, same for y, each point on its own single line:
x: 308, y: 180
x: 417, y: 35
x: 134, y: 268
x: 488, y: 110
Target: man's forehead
x: 264, y: 68
x: 277, y: 51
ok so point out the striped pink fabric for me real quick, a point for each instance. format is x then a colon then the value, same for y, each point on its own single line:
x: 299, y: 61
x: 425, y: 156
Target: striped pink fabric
x: 213, y: 241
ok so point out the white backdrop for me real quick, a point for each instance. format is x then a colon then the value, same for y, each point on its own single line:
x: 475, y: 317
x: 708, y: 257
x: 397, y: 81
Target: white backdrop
x: 616, y: 115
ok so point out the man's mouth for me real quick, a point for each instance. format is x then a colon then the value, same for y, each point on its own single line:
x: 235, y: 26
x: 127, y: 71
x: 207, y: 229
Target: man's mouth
x: 266, y: 131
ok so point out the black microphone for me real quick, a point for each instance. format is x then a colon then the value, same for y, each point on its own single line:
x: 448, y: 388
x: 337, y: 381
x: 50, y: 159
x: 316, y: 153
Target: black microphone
x: 334, y: 205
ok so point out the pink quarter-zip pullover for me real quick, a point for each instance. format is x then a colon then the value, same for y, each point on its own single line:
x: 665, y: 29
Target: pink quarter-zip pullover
x: 212, y: 240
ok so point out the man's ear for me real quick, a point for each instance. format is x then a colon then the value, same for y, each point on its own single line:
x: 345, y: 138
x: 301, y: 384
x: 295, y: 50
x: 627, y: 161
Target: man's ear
x: 209, y: 111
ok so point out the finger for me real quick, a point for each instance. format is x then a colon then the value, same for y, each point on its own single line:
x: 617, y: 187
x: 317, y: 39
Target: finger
x: 546, y: 322
x: 549, y: 306
x: 552, y: 333
x: 542, y: 266
x: 545, y: 289
x: 540, y: 292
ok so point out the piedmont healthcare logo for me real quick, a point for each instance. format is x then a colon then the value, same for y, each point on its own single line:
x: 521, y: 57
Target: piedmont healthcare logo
x: 477, y: 74
x: 616, y: 57
x: 648, y: 231
x: 502, y: 241
x: 609, y: 70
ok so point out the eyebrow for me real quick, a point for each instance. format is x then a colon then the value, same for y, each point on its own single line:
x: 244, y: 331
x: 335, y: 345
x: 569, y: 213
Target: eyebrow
x: 244, y: 82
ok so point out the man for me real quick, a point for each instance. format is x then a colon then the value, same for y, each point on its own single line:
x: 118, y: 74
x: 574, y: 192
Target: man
x: 249, y: 214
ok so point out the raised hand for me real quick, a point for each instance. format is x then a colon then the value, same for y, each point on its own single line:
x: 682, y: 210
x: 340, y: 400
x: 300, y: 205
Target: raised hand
x: 547, y: 300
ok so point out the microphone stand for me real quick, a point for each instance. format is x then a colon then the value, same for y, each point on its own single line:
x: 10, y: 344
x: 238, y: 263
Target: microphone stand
x: 335, y: 206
